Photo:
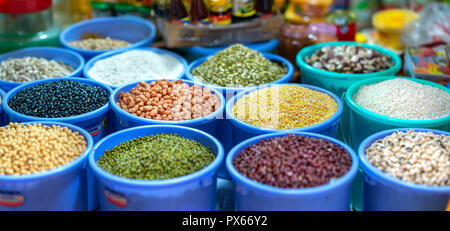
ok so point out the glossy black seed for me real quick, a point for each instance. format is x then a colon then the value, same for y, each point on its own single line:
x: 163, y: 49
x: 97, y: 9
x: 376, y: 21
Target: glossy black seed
x: 59, y: 99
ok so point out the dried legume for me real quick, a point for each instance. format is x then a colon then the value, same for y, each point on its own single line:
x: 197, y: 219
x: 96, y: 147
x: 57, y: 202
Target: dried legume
x: 404, y: 99
x: 417, y: 157
x: 156, y: 157
x: 168, y: 100
x: 135, y: 65
x: 293, y: 161
x: 284, y: 107
x: 99, y: 44
x: 238, y: 66
x: 28, y: 69
x: 349, y: 59
x: 27, y: 149
x: 58, y: 99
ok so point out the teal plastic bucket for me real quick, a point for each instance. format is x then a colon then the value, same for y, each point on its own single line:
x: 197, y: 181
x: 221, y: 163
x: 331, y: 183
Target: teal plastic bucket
x: 359, y: 123
x: 196, y: 52
x: 254, y: 196
x: 60, y: 189
x: 242, y: 130
x: 383, y: 192
x: 339, y: 82
x: 196, y: 191
x: 93, y: 122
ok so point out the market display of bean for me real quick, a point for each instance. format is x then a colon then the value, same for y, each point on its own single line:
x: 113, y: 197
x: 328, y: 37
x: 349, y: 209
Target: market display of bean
x: 284, y: 107
x: 169, y: 100
x: 156, y: 157
x: 417, y: 157
x: 28, y: 69
x: 404, y: 99
x: 99, y: 44
x: 238, y: 66
x: 28, y: 149
x: 349, y: 59
x: 293, y: 161
x: 135, y: 65
x: 59, y: 99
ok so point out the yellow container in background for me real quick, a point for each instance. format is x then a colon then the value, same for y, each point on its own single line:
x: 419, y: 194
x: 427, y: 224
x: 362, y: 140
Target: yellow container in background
x: 307, y: 11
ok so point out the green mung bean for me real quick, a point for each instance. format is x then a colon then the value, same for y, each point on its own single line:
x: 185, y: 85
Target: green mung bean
x: 238, y: 66
x: 156, y: 157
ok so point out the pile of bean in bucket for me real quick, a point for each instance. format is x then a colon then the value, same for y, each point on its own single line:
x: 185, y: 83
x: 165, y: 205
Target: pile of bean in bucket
x: 284, y: 107
x: 135, y: 65
x: 349, y: 59
x: 404, y: 99
x: 29, y: 69
x: 99, y: 43
x: 239, y: 66
x: 293, y: 161
x: 416, y: 157
x: 156, y: 157
x: 169, y: 100
x: 58, y: 99
x: 27, y: 149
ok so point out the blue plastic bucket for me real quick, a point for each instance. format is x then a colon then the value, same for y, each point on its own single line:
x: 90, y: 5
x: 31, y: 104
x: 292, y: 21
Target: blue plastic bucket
x: 242, y: 131
x: 385, y: 193
x: 229, y: 92
x: 91, y: 62
x: 196, y: 52
x: 339, y: 82
x: 196, y: 191
x: 93, y: 122
x: 61, y: 188
x: 135, y: 30
x: 251, y: 195
x: 51, y: 53
x: 2, y: 117
x: 207, y: 124
x: 359, y: 123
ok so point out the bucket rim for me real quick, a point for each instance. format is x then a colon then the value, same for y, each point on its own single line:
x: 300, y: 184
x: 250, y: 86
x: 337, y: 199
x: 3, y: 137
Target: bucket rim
x: 55, y: 51
x: 60, y: 169
x: 134, y: 118
x: 260, y: 130
x: 335, y: 75
x: 131, y: 19
x: 109, y: 54
x: 380, y: 175
x: 264, y: 45
x: 398, y: 122
x: 211, y: 167
x: 70, y: 119
x: 272, y: 57
x: 236, y: 176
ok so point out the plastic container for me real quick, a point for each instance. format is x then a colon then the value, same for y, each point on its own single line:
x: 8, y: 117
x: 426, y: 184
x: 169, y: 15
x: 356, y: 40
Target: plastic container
x: 207, y: 124
x: 196, y: 191
x: 61, y: 188
x: 242, y: 130
x: 91, y: 62
x: 140, y: 32
x: 51, y: 53
x: 93, y: 122
x: 339, y: 82
x: 386, y: 193
x: 196, y: 52
x: 251, y: 195
x: 356, y: 117
x: 2, y: 117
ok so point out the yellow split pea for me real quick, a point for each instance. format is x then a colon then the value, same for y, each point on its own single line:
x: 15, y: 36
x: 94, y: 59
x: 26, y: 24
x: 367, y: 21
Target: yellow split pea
x: 284, y: 107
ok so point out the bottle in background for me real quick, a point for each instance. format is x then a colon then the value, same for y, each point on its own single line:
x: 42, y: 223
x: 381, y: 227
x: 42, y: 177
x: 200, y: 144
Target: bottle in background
x: 177, y: 12
x: 243, y: 10
x: 220, y: 12
x: 199, y: 12
x: 264, y: 8
x: 279, y: 6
